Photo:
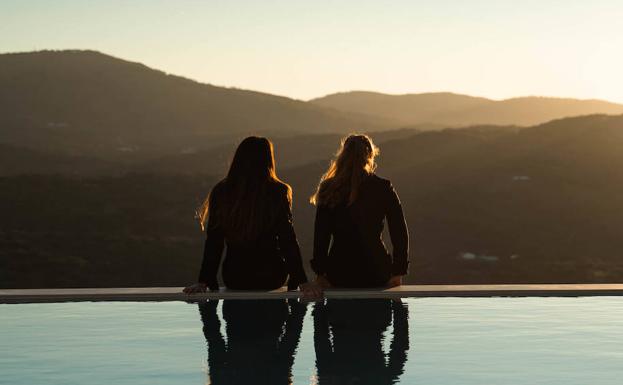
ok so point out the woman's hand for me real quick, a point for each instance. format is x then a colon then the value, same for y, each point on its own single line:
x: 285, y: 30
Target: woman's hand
x: 395, y: 281
x: 198, y: 287
x: 311, y: 291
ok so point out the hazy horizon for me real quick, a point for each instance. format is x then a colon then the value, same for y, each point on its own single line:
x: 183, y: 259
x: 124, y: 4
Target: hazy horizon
x: 304, y: 50
x: 423, y: 92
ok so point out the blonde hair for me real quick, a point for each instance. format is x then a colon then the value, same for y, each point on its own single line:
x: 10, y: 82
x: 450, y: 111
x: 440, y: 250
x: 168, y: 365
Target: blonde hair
x: 353, y: 162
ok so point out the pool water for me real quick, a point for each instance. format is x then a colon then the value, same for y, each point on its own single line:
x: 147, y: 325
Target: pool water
x: 381, y: 341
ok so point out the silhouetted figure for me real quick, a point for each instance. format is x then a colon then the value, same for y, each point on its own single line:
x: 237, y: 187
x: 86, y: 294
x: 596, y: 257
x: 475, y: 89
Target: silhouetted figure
x: 348, y: 336
x: 250, y: 212
x: 262, y: 338
x: 352, y: 205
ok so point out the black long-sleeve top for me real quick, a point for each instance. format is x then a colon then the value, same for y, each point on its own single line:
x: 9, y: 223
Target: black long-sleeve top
x: 260, y: 264
x: 348, y: 245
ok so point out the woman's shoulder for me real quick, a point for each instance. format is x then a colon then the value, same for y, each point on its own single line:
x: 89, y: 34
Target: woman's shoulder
x: 219, y: 186
x: 380, y: 187
x: 280, y: 188
x: 378, y: 181
x: 218, y: 190
x: 280, y: 192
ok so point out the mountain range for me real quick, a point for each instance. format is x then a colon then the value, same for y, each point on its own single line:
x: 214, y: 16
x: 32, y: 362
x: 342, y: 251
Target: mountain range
x: 92, y: 105
x: 103, y: 161
x: 454, y: 110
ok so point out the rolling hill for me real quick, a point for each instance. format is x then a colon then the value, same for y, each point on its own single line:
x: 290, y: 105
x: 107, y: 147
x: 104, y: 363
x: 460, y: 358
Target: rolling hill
x: 290, y: 152
x: 26, y: 161
x: 484, y: 205
x: 454, y: 110
x: 90, y: 104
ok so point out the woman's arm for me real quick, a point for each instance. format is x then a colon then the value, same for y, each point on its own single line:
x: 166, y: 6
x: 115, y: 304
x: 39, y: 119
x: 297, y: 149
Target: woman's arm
x: 213, y: 247
x: 289, y: 245
x: 322, y: 239
x: 398, y: 233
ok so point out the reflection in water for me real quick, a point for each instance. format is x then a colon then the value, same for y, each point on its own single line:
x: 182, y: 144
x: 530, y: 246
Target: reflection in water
x: 262, y: 337
x: 348, y: 337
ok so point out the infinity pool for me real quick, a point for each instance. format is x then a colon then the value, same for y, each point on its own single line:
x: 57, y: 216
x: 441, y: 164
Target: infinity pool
x: 414, y: 341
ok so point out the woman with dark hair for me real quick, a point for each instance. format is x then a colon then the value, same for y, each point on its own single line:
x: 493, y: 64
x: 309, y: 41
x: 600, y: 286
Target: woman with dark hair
x: 352, y: 205
x: 250, y: 212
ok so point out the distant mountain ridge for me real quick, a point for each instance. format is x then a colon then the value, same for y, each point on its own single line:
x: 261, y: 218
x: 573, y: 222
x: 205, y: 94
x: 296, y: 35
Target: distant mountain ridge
x: 92, y: 106
x: 86, y: 102
x: 449, y: 109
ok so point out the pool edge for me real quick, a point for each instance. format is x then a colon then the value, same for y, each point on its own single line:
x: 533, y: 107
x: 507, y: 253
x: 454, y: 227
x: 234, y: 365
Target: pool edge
x: 175, y: 293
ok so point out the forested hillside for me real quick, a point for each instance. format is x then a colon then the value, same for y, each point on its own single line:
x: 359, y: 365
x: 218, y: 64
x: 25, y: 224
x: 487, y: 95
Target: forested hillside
x: 484, y: 204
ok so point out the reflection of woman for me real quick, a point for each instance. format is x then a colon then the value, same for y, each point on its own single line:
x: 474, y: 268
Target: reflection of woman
x: 250, y: 212
x: 353, y: 204
x: 348, y: 336
x: 262, y: 337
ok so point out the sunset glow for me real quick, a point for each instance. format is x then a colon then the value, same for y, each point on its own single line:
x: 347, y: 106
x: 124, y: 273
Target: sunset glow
x: 496, y: 49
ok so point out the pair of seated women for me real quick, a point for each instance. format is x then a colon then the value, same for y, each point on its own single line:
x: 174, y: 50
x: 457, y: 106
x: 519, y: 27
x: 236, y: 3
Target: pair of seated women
x: 249, y: 213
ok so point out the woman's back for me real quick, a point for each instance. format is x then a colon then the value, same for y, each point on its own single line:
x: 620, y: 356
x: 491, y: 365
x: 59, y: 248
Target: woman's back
x: 357, y: 255
x: 249, y: 212
x: 259, y: 261
x: 272, y: 206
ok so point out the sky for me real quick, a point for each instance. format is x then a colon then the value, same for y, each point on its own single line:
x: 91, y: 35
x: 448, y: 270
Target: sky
x: 306, y: 49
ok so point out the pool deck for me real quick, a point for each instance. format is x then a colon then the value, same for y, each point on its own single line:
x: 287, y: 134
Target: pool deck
x: 175, y: 293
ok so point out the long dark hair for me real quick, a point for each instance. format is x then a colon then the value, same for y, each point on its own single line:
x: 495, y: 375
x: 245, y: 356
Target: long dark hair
x: 247, y: 203
x: 353, y: 161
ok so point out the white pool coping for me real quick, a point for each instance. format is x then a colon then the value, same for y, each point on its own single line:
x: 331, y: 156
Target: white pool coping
x: 175, y: 293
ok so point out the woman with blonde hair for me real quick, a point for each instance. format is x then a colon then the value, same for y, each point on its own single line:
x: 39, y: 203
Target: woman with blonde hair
x: 352, y: 206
